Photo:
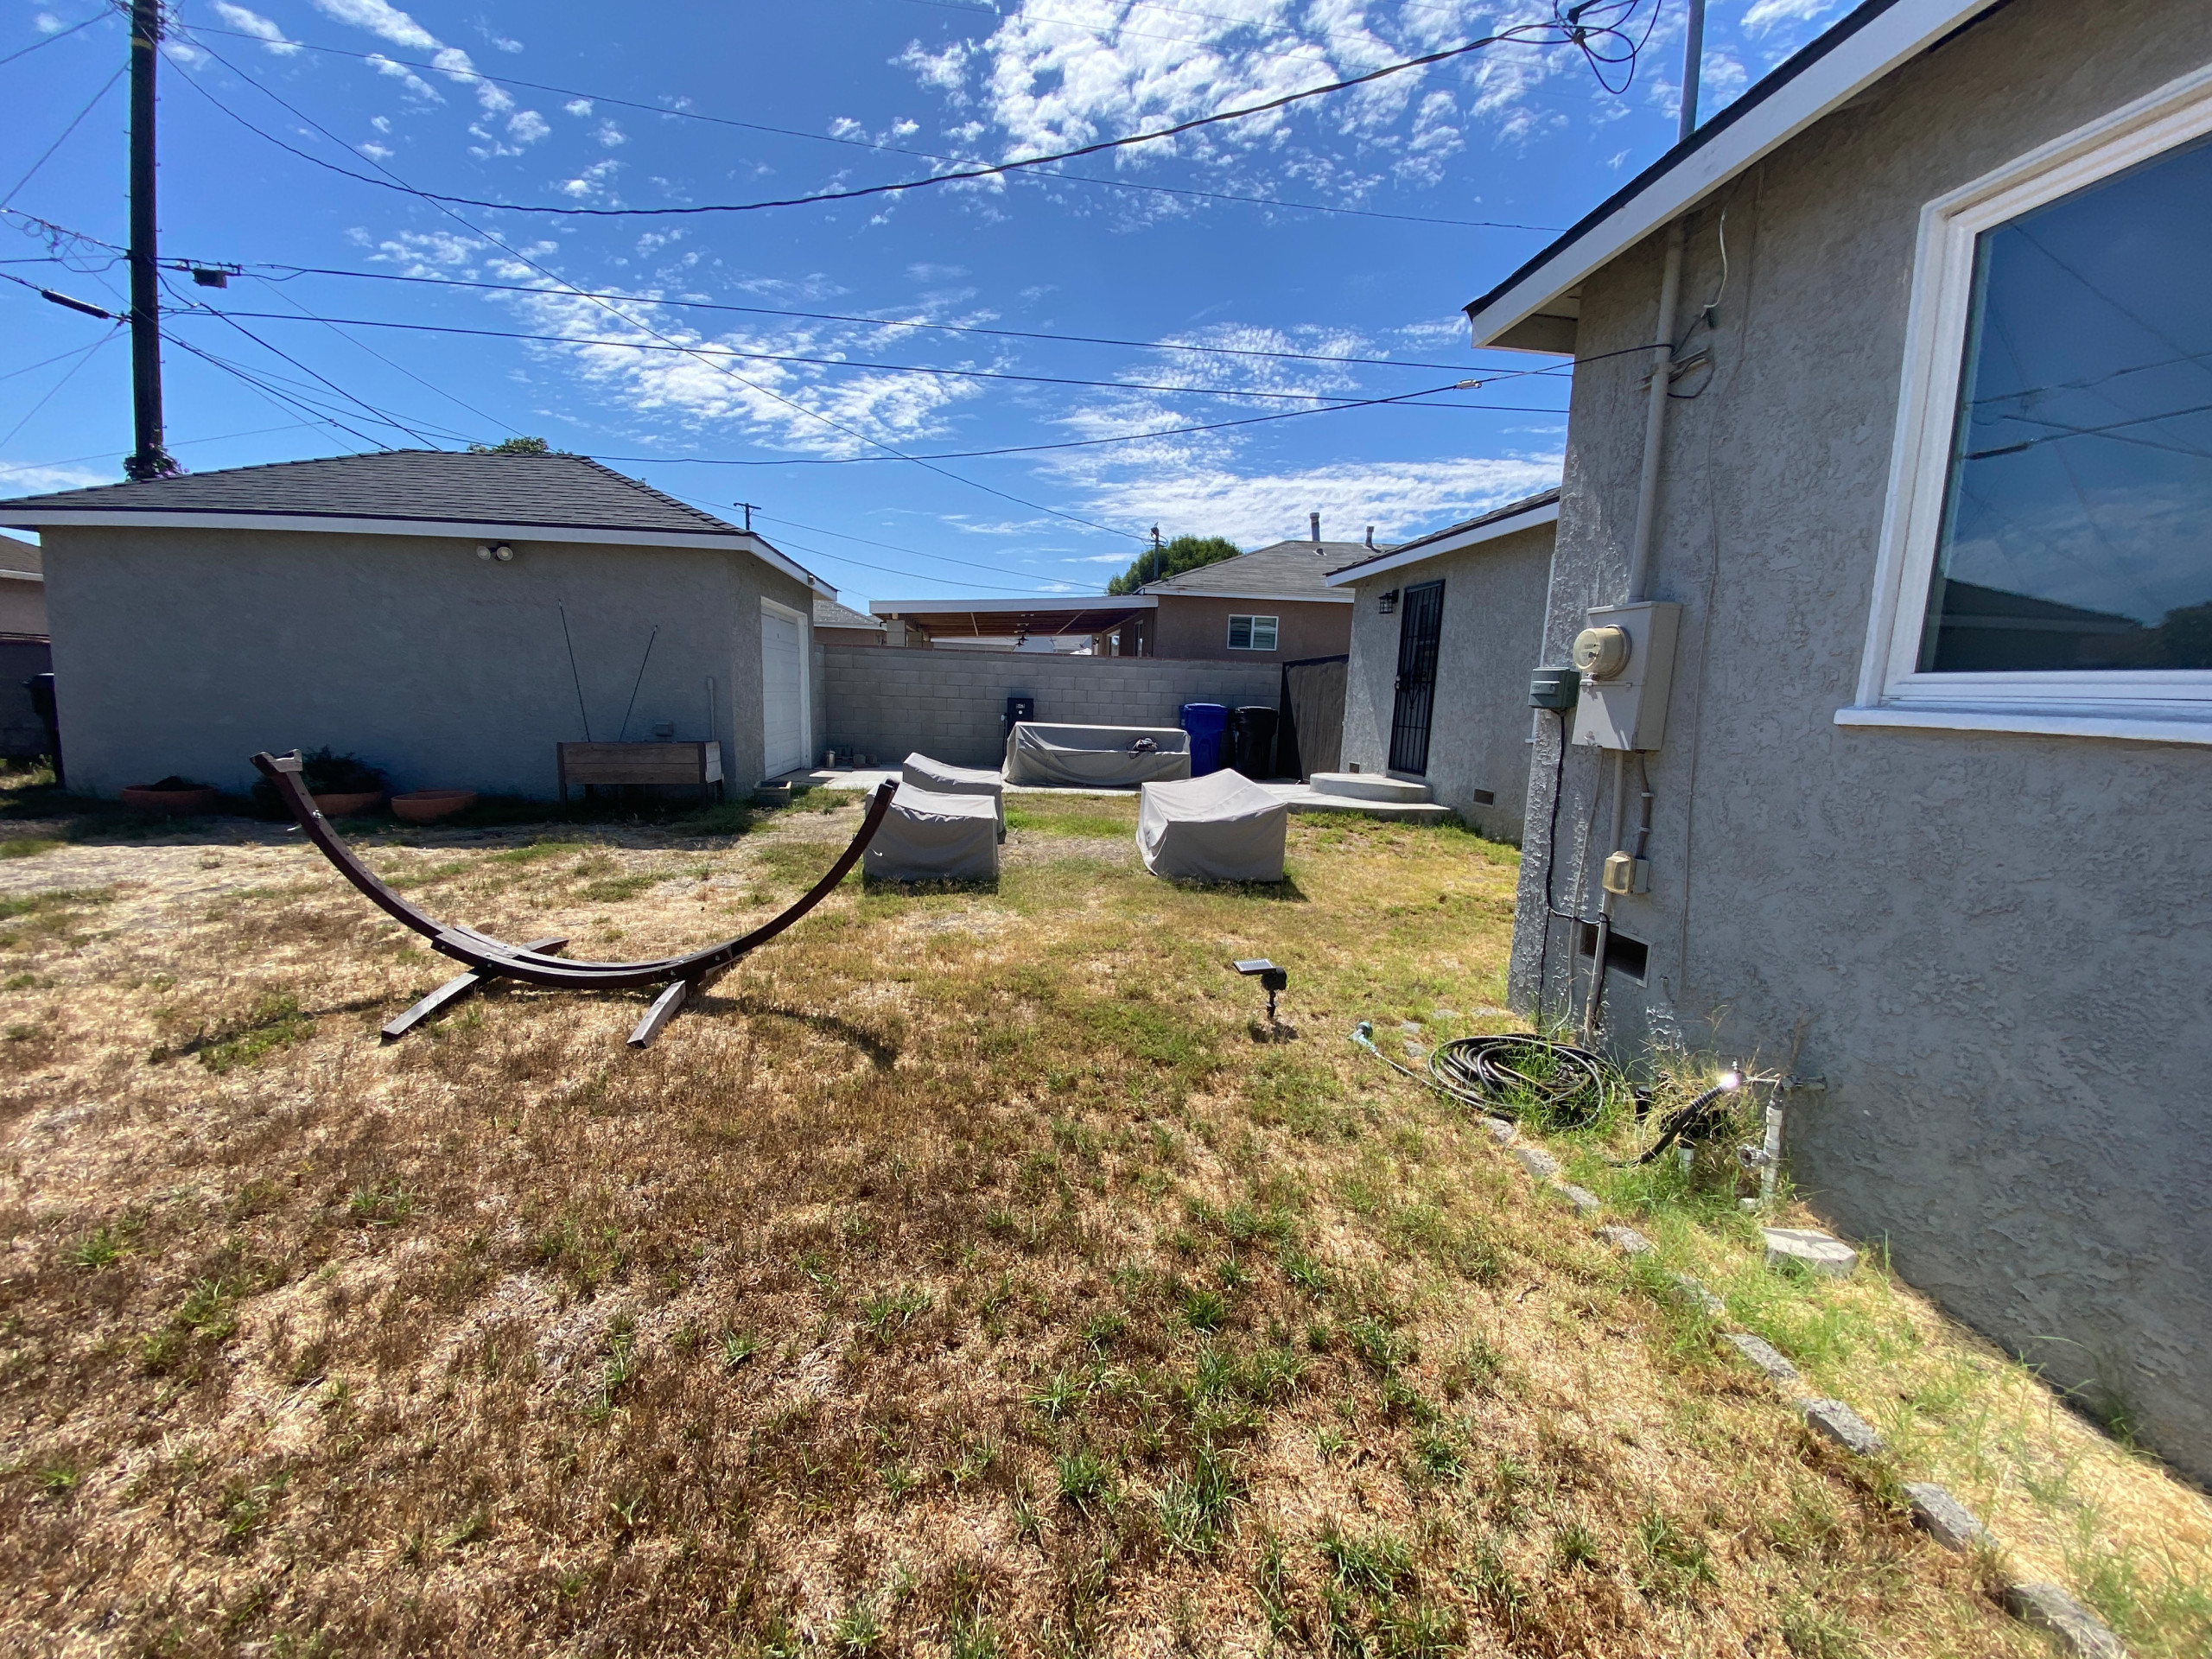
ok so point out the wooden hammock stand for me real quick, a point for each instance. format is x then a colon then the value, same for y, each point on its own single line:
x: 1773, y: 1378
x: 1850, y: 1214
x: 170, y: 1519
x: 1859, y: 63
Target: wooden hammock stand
x: 534, y: 963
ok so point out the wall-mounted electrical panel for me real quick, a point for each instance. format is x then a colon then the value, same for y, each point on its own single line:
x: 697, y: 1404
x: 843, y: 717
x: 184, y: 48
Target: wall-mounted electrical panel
x: 1555, y: 689
x: 1627, y: 659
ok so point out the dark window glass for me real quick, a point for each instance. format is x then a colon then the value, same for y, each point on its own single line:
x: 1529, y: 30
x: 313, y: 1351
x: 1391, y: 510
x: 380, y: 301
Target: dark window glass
x: 2077, y: 516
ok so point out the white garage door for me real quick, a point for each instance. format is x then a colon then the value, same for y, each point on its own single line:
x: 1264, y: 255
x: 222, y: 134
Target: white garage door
x: 783, y: 694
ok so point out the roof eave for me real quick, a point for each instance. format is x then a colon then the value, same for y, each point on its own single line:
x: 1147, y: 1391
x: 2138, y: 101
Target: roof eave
x: 1438, y: 547
x: 734, y: 540
x: 1535, y: 308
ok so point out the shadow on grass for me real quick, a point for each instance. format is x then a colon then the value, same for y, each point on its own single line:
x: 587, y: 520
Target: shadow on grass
x: 882, y: 1053
x: 1285, y: 892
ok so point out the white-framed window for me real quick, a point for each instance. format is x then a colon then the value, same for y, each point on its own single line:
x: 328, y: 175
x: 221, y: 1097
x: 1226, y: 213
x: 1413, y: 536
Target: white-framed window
x: 2046, y: 558
x: 1251, y: 633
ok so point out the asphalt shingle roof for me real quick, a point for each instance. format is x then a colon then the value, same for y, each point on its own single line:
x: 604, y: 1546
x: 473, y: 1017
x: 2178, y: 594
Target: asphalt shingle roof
x: 549, y: 491
x: 828, y: 614
x: 1285, y: 570
x: 1510, y: 509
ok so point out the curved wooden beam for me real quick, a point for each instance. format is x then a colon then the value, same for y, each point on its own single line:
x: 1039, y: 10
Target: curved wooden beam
x: 533, y: 965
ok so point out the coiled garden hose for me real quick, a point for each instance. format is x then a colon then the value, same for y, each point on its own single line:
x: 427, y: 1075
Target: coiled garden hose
x: 1509, y: 1075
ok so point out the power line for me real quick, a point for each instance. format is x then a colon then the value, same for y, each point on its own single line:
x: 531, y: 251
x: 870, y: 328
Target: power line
x: 54, y: 390
x: 1403, y: 399
x: 568, y: 291
x: 776, y: 357
x: 106, y: 86
x: 371, y: 409
x: 1577, y: 33
x: 64, y: 34
x: 75, y: 460
x: 720, y: 368
x: 866, y: 143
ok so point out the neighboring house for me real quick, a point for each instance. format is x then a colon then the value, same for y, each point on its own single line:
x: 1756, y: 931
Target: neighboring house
x: 1272, y: 604
x: 1926, y: 820
x: 447, y: 617
x: 1444, y: 633
x: 1077, y: 623
x: 23, y: 591
x: 24, y: 650
x: 840, y: 624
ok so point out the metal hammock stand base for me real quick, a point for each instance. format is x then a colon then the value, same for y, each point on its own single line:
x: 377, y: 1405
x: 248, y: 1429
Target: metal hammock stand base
x: 535, y: 964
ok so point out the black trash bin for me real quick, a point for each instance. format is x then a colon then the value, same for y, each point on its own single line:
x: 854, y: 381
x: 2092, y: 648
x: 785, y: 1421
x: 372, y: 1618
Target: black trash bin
x: 1254, y: 730
x: 40, y: 686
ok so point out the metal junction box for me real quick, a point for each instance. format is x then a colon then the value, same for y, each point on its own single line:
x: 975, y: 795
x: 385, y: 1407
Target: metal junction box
x: 1626, y: 708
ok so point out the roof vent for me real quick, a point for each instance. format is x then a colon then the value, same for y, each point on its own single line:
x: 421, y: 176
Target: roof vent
x: 1371, y: 536
x: 1315, y: 519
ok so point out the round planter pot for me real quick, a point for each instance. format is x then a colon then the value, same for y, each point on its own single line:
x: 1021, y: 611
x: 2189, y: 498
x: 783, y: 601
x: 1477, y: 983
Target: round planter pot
x: 429, y: 805
x: 178, y: 803
x: 348, y: 806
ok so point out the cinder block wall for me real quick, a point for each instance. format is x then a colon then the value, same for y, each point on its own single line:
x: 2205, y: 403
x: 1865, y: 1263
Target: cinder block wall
x: 948, y: 703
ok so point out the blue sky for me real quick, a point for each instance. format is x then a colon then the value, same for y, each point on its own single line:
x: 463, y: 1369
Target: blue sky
x: 1440, y: 181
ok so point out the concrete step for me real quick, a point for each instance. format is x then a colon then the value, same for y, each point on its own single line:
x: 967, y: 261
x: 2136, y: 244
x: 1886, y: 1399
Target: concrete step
x: 1311, y: 800
x: 1369, y: 786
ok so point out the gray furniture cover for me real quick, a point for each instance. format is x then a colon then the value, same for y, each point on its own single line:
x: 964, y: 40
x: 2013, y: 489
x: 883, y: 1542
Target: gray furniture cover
x: 940, y: 779
x: 927, y: 838
x: 1222, y: 827
x: 1095, y: 757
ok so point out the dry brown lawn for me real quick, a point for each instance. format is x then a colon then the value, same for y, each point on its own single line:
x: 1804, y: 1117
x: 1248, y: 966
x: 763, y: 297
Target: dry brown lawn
x: 961, y: 1276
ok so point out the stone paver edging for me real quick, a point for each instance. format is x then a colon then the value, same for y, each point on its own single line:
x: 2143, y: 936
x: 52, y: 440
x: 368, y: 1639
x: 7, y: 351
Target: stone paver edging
x: 1950, y: 1523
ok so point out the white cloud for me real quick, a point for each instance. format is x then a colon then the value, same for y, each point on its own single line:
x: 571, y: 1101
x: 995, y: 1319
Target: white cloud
x: 506, y: 45
x: 183, y: 54
x: 610, y: 134
x: 253, y: 24
x: 47, y: 23
x: 30, y: 477
x: 1768, y: 13
x: 592, y: 182
x: 578, y: 107
x: 384, y: 21
x: 528, y: 127
x: 415, y: 85
x: 942, y: 72
x: 377, y: 152
x: 381, y: 123
x: 1400, y: 498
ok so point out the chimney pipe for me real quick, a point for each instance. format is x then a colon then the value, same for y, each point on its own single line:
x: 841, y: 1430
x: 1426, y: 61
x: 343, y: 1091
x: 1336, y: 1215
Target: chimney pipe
x: 1371, y: 535
x: 1316, y: 521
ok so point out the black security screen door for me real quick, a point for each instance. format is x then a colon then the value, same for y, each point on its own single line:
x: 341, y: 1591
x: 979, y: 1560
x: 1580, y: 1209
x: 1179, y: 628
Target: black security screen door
x: 1420, y: 618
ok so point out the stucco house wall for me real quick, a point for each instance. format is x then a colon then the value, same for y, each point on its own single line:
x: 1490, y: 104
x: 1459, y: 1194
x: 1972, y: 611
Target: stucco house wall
x: 23, y: 603
x: 1991, y: 948
x: 184, y: 649
x: 1492, y: 630
x: 1196, y: 629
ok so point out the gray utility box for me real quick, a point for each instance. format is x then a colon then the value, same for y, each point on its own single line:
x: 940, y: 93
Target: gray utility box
x: 1627, y: 708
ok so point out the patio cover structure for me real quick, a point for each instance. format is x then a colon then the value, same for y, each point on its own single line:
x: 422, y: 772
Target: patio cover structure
x: 1077, y: 616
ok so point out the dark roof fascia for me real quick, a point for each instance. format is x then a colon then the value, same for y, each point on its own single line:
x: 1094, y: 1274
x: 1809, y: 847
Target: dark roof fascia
x: 1770, y: 86
x: 1411, y: 552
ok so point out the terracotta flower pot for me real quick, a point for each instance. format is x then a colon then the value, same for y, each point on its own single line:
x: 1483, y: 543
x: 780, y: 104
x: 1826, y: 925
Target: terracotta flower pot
x: 349, y: 805
x: 178, y: 803
x: 429, y: 805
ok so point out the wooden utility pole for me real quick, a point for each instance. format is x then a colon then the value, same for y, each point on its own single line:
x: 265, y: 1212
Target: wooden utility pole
x: 148, y: 459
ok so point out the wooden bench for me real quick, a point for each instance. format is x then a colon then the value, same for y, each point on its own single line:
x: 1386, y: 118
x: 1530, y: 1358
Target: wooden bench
x: 696, y: 765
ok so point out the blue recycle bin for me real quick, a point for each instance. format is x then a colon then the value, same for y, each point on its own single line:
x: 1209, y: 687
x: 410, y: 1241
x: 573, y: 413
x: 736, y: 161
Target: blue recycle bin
x: 1208, y: 725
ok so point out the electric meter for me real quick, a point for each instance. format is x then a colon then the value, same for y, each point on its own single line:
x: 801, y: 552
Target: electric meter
x: 1602, y: 652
